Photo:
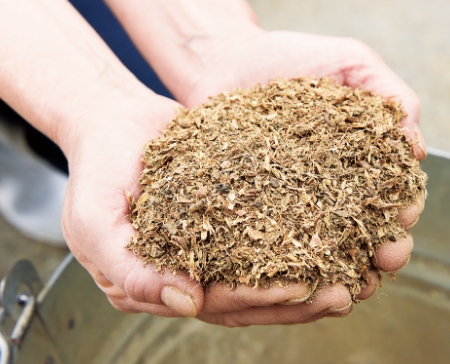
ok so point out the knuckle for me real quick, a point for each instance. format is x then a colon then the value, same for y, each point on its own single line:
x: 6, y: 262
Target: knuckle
x: 131, y: 289
x: 137, y: 287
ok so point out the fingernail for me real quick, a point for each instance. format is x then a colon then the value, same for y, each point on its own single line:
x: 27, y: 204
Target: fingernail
x: 295, y: 301
x: 179, y: 300
x: 339, y: 315
x: 337, y: 310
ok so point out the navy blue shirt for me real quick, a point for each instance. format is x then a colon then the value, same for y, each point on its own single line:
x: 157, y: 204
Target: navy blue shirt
x: 107, y: 26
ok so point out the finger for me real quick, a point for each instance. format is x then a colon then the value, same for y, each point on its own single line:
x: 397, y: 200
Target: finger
x: 415, y: 134
x: 392, y: 256
x: 122, y: 302
x: 126, y: 304
x: 177, y: 291
x: 331, y: 300
x: 402, y: 93
x: 384, y: 82
x: 144, y: 288
x: 221, y: 298
x: 371, y: 287
x: 409, y: 216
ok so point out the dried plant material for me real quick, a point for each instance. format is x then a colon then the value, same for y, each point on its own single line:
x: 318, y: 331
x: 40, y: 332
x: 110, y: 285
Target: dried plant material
x: 297, y: 180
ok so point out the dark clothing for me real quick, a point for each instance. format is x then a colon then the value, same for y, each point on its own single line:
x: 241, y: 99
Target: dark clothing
x: 106, y: 25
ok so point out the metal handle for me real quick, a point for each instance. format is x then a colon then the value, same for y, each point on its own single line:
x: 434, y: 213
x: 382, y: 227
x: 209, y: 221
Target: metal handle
x: 5, y: 352
x: 18, y: 292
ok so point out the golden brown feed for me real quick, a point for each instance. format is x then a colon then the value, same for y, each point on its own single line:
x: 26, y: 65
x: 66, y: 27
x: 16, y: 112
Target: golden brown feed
x: 298, y: 180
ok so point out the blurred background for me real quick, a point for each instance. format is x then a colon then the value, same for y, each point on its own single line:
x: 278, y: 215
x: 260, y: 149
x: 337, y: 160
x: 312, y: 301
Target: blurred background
x: 413, y: 37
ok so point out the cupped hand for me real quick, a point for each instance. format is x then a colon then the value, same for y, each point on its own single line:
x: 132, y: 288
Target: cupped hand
x: 256, y: 56
x: 105, y: 162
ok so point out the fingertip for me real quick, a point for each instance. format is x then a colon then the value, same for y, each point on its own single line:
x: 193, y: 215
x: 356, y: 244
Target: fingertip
x: 411, y: 104
x: 182, y: 294
x: 419, y: 151
x: 409, y: 216
x: 335, y: 297
x: 293, y: 294
x: 392, y: 256
x: 296, y: 301
x: 371, y: 286
x: 341, y: 303
x: 127, y: 305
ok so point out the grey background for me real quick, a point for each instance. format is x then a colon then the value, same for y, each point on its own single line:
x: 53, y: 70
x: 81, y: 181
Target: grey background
x: 412, y: 36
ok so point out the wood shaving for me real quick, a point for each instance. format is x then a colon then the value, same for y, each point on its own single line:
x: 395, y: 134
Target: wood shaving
x: 299, y: 180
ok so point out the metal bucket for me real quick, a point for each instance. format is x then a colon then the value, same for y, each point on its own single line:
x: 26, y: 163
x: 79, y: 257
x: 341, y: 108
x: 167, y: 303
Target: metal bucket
x: 70, y: 321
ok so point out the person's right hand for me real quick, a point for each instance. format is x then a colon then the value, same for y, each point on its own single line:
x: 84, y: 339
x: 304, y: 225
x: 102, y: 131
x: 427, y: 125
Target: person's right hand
x: 104, y: 154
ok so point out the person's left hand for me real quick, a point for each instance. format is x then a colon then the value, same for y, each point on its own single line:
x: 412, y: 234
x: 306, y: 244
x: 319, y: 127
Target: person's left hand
x: 256, y: 56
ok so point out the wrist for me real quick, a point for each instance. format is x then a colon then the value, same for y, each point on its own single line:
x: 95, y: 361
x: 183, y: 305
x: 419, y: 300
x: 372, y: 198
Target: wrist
x: 57, y: 73
x: 183, y: 40
x: 109, y: 110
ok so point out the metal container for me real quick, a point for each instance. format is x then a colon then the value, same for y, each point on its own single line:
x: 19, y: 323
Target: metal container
x: 70, y: 321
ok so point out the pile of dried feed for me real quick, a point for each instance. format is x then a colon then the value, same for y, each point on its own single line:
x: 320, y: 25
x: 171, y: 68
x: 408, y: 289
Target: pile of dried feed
x: 298, y: 180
